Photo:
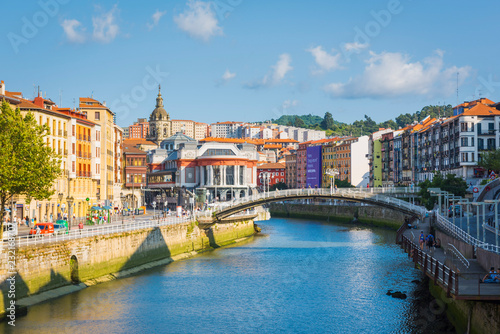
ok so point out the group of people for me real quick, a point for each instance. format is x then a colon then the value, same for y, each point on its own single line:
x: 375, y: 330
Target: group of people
x: 428, y: 241
x: 491, y: 277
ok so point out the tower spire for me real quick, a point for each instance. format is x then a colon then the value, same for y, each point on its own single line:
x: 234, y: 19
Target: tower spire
x: 159, y: 99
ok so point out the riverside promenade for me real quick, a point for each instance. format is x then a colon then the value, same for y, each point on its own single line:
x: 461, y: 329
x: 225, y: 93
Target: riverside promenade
x: 457, y: 274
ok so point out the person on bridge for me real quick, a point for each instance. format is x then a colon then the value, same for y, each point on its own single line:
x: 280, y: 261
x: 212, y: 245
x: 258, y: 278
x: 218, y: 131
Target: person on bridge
x: 429, y: 241
x: 421, y: 240
x: 490, y: 277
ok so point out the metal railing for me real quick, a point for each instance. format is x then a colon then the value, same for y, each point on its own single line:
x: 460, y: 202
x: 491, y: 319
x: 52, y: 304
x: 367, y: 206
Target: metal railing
x: 460, y: 234
x: 437, y: 271
x: 374, y: 195
x: 459, y: 255
x: 33, y: 240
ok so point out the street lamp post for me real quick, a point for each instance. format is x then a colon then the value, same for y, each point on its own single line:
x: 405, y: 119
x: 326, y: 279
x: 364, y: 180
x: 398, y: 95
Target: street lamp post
x: 154, y: 209
x: 467, y: 203
x: 70, y: 201
x: 123, y: 199
x: 332, y: 173
x: 484, y: 222
x: 453, y: 199
x: 478, y: 207
x: 496, y: 218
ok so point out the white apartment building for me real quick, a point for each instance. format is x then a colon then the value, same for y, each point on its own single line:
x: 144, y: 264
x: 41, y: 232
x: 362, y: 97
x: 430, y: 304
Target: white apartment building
x: 226, y: 129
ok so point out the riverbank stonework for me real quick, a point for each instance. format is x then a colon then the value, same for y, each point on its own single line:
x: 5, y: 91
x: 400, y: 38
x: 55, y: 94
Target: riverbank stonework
x: 51, y: 266
x: 484, y: 316
x: 367, y: 215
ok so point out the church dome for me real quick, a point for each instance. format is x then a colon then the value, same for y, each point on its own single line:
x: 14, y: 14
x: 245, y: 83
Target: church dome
x: 159, y: 114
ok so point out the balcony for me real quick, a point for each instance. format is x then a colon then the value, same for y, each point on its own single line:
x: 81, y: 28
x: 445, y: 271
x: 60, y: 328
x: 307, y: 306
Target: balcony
x: 83, y: 174
x: 484, y: 149
x: 60, y: 133
x: 65, y: 133
x: 486, y: 132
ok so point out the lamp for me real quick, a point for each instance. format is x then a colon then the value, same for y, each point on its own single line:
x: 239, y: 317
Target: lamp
x: 70, y: 201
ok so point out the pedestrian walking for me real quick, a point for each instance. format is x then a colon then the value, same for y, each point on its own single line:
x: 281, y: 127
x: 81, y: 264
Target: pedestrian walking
x: 421, y: 240
x: 27, y: 221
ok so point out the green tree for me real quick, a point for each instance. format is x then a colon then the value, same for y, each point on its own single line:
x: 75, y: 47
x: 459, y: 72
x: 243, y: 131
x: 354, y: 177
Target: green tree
x: 327, y: 122
x: 279, y: 185
x: 451, y: 183
x: 299, y: 123
x: 343, y: 184
x: 491, y: 160
x: 28, y: 167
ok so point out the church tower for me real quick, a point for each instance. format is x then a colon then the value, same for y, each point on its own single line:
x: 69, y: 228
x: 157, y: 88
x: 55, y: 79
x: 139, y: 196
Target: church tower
x: 159, y: 122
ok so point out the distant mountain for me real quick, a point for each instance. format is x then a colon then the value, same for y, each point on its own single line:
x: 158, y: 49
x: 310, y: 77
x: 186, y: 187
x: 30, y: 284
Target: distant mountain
x: 309, y: 120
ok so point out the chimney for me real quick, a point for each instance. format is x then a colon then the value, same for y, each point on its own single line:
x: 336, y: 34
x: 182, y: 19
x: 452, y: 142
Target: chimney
x: 2, y: 88
x: 104, y: 103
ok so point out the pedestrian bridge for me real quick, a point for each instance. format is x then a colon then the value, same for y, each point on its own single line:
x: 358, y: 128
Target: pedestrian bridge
x: 373, y: 196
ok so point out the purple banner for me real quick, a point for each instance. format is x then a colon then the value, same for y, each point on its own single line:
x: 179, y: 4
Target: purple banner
x: 313, y: 175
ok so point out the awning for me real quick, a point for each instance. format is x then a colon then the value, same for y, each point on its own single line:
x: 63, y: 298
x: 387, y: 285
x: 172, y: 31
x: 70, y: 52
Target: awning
x: 95, y: 208
x: 107, y: 207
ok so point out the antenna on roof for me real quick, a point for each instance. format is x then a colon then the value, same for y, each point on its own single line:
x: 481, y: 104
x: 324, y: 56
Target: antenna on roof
x: 457, y: 87
x: 92, y: 95
x: 74, y: 103
x: 34, y: 91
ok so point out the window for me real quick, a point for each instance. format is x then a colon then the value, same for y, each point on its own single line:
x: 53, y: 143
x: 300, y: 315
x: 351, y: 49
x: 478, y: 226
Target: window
x: 74, y: 130
x: 74, y: 148
x: 97, y: 135
x: 97, y: 115
x: 74, y: 166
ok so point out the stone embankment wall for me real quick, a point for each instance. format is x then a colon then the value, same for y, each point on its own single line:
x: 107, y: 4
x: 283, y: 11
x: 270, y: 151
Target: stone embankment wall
x: 370, y: 215
x: 89, y: 260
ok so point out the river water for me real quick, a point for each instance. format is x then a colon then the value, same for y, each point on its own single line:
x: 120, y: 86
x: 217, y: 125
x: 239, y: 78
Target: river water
x: 299, y: 276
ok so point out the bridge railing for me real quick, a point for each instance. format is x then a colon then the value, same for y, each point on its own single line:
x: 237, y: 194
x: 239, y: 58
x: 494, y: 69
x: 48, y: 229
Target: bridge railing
x: 377, y: 195
x: 33, y: 240
x: 459, y: 233
x: 440, y: 273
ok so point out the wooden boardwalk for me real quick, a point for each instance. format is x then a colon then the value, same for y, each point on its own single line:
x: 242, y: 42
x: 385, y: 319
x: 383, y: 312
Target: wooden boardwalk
x: 460, y: 279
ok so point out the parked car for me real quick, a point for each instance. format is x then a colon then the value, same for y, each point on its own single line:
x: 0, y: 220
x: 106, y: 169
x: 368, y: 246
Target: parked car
x: 60, y: 229
x: 45, y: 228
x: 62, y: 222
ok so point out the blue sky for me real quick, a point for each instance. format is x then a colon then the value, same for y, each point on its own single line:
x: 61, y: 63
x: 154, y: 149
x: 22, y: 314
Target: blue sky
x: 247, y: 60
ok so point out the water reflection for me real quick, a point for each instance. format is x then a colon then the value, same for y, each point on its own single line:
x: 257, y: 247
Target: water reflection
x: 302, y: 277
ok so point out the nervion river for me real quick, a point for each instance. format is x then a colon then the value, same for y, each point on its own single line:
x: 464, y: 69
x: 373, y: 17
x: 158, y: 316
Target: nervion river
x: 298, y: 277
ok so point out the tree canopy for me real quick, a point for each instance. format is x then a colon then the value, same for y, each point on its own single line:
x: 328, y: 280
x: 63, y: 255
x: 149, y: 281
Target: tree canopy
x: 491, y: 160
x: 451, y: 183
x: 28, y: 166
x: 364, y: 126
x: 327, y: 122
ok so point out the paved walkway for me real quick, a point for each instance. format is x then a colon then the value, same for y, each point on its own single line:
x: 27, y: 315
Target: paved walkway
x: 468, y: 283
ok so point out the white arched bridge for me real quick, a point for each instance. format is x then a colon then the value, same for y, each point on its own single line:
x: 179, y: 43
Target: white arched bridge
x: 374, y: 196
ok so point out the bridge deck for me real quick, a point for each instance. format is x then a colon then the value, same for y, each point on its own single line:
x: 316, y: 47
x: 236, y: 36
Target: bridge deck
x: 439, y: 262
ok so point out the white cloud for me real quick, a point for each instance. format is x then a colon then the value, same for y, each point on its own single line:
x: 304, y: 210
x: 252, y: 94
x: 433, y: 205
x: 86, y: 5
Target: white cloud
x: 279, y: 70
x: 228, y: 75
x: 105, y: 27
x: 355, y: 46
x: 393, y: 74
x: 156, y: 19
x: 324, y: 60
x: 199, y: 20
x: 289, y: 104
x: 72, y: 31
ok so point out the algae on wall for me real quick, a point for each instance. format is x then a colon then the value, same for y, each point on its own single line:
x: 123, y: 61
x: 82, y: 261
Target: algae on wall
x: 45, y: 267
x: 370, y: 215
